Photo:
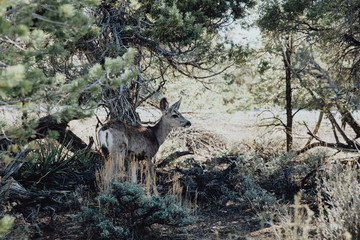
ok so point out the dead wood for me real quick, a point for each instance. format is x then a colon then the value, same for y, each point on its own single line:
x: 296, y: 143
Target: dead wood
x: 14, y: 190
x: 14, y: 165
x: 338, y: 146
x: 350, y: 146
x: 348, y: 118
x: 173, y: 157
x: 66, y: 137
x: 46, y: 124
x: 307, y: 177
x: 199, y: 141
x: 317, y: 127
x: 208, y: 185
x: 9, y: 186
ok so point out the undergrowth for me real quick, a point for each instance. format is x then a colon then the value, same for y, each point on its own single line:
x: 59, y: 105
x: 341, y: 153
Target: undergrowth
x: 339, y: 204
x: 332, y: 213
x: 124, y: 211
x: 53, y: 165
x: 267, y: 184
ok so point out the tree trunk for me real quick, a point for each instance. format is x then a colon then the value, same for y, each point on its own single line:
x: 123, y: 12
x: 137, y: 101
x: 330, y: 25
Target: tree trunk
x: 289, y: 116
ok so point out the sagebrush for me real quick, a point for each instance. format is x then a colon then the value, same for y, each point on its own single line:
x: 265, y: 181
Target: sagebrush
x: 125, y: 212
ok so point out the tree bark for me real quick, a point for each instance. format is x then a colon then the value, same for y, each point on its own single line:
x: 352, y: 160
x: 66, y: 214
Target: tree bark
x: 347, y: 118
x: 289, y: 116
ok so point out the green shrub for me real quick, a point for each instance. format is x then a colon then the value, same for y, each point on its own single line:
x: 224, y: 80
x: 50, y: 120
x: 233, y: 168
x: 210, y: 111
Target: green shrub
x: 125, y: 211
x: 259, y: 199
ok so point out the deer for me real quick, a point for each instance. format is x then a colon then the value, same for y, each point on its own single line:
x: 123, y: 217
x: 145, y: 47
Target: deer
x: 119, y: 141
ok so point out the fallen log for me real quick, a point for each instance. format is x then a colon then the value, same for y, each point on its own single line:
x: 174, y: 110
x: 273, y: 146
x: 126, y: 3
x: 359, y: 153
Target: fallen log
x: 46, y: 124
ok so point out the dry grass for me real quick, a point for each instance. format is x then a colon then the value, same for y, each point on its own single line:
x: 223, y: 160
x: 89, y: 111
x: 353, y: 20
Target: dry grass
x: 130, y: 170
x: 337, y: 205
x: 339, y: 216
x: 181, y: 194
x: 294, y: 222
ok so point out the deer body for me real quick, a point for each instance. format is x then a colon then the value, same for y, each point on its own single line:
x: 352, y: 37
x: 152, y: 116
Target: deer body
x: 144, y: 142
x: 118, y: 140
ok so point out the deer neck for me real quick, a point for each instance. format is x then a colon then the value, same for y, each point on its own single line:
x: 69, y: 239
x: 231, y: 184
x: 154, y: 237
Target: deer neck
x: 161, y: 130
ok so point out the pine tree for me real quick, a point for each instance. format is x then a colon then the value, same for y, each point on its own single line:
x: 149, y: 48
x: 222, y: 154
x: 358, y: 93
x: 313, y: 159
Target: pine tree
x: 59, y: 60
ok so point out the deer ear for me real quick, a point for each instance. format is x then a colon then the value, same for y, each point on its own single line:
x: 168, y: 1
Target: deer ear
x: 176, y: 105
x: 164, y: 105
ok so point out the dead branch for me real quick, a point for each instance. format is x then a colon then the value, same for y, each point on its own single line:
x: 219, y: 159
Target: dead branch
x: 337, y: 127
x: 317, y: 127
x: 14, y: 165
x: 320, y: 144
x: 351, y: 146
x: 348, y: 118
x: 172, y: 157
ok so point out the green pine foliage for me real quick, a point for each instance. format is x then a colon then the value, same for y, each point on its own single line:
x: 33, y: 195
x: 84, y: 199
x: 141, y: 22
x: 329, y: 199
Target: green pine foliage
x: 38, y: 71
x: 324, y: 53
x: 57, y: 55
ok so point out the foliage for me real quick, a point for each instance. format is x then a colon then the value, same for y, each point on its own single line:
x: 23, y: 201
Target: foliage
x: 39, y: 74
x: 325, y: 33
x: 170, y: 38
x: 227, y: 92
x: 52, y: 164
x: 126, y: 212
x: 65, y: 58
x: 321, y: 37
x: 6, y: 223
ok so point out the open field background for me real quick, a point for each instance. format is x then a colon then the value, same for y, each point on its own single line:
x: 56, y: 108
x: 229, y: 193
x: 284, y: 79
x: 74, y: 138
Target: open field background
x: 237, y: 130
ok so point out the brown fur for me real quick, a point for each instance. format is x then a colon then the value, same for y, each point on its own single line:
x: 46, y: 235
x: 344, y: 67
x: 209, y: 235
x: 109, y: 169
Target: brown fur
x: 139, y: 140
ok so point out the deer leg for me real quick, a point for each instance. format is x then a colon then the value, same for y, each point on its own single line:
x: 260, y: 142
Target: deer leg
x: 119, y: 162
x: 133, y: 167
x: 153, y: 177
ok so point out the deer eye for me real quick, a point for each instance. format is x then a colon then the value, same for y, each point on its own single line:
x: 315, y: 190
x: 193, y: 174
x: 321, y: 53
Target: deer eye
x: 175, y: 116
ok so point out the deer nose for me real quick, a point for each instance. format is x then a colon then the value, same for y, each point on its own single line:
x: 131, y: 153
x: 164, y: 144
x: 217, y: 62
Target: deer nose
x: 188, y: 124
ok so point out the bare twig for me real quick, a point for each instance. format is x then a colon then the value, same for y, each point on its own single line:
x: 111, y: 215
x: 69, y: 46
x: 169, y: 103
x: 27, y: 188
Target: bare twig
x: 42, y: 18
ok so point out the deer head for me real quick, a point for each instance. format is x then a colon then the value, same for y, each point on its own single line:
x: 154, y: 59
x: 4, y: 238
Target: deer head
x: 171, y: 115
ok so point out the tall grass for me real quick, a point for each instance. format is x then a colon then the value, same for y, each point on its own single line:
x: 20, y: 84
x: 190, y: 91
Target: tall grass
x: 124, y: 170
